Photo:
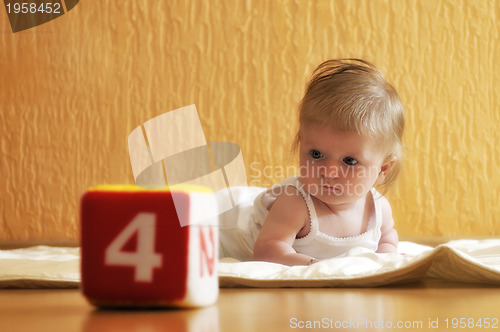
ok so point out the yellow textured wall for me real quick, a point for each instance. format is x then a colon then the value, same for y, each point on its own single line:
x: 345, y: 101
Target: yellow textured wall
x: 72, y: 90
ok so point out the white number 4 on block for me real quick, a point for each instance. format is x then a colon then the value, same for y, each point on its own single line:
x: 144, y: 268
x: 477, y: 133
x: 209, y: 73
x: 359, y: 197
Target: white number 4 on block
x: 144, y: 259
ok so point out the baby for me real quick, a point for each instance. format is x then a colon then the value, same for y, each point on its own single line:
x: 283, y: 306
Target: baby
x: 351, y: 124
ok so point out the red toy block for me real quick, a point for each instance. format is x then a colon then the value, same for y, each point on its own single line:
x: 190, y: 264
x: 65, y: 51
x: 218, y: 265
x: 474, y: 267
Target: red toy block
x: 134, y: 251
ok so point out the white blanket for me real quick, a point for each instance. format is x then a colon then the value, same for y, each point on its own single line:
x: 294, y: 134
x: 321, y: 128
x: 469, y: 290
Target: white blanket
x: 467, y: 261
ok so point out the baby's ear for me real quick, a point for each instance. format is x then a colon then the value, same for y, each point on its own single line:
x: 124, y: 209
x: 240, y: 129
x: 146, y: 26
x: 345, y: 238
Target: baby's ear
x: 385, y: 168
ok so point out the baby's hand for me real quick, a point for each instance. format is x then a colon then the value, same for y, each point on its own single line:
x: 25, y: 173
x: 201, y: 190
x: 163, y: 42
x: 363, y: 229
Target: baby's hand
x: 387, y: 248
x: 313, y: 261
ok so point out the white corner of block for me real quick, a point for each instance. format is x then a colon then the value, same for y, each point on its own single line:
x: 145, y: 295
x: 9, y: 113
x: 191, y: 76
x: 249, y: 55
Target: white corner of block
x: 203, y: 251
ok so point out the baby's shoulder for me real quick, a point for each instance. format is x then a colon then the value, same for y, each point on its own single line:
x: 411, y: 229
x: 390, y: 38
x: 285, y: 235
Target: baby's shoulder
x: 289, y: 201
x: 385, y: 206
x: 386, y: 212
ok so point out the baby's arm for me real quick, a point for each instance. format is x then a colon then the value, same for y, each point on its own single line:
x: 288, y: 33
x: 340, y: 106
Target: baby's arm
x: 286, y: 218
x: 389, y: 239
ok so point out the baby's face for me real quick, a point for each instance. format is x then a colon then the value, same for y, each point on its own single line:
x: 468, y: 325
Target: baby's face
x: 339, y: 167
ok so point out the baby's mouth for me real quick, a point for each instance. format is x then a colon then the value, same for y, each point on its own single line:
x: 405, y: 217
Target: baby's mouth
x: 331, y: 189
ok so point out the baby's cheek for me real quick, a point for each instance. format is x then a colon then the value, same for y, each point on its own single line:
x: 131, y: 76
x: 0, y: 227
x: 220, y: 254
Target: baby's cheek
x: 305, y: 170
x: 356, y: 186
x: 364, y: 174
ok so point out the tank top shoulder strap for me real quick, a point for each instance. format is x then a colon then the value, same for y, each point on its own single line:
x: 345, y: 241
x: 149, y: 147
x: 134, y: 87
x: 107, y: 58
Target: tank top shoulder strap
x: 313, y: 219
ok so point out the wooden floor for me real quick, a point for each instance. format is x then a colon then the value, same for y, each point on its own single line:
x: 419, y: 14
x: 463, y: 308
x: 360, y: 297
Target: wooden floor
x: 410, y: 307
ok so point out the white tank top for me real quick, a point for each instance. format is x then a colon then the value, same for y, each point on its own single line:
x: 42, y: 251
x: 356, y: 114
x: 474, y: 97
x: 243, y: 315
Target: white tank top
x: 317, y: 244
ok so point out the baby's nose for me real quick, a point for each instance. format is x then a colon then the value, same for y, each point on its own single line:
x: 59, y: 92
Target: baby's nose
x: 331, y: 171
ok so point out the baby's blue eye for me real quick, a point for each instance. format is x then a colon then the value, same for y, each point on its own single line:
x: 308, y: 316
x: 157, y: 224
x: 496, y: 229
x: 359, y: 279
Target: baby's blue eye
x: 316, y: 154
x: 350, y: 161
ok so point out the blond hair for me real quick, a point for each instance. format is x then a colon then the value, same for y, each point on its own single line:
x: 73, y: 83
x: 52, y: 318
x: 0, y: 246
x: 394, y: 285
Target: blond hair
x: 352, y: 95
